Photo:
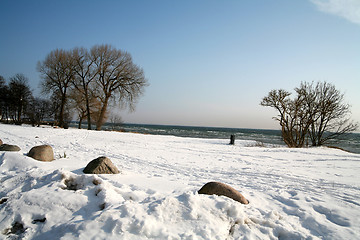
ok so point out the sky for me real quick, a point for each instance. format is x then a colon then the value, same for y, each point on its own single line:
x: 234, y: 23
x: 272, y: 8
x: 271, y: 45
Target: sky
x: 208, y: 62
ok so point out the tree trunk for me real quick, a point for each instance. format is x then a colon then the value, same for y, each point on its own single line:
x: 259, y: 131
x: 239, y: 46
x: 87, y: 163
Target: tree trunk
x: 80, y: 122
x: 7, y: 115
x: 86, y: 87
x: 100, y: 120
x: 19, y: 115
x: 88, y: 112
x: 17, y: 118
x: 62, y: 108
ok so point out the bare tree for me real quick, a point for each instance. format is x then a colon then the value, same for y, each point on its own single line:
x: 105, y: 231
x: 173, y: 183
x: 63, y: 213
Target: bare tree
x: 116, y: 121
x: 85, y: 109
x: 20, y: 96
x: 118, y: 79
x: 38, y: 110
x: 85, y: 74
x: 57, y: 72
x: 4, y: 99
x: 332, y: 116
x: 78, y: 103
x: 316, y: 112
x: 95, y: 79
x: 290, y: 116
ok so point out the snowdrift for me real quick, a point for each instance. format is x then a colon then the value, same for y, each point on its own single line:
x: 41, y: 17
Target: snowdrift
x: 294, y: 193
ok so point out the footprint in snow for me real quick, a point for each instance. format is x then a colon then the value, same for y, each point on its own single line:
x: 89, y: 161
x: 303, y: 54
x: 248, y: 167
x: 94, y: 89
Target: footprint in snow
x: 332, y: 216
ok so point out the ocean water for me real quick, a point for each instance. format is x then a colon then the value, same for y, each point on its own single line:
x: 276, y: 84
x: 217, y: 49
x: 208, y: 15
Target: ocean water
x: 350, y: 142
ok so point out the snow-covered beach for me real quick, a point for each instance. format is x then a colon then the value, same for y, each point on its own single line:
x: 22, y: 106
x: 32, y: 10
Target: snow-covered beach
x: 311, y: 193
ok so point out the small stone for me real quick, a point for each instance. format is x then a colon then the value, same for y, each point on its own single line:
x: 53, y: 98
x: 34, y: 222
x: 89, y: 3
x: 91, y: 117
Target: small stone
x: 9, y: 148
x: 222, y: 189
x: 17, y: 228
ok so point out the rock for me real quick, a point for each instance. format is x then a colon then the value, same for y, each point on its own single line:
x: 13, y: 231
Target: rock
x: 40, y: 220
x: 222, y: 189
x: 1, y: 142
x: 17, y: 228
x: 43, y: 153
x: 9, y: 148
x: 101, y: 165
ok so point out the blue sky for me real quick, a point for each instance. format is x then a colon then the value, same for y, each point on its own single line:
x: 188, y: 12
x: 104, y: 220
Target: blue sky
x: 209, y: 63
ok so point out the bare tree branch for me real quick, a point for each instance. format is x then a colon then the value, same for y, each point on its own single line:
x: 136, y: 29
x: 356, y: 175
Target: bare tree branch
x: 317, y: 112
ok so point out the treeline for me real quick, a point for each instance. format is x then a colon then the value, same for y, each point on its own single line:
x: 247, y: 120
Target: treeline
x: 86, y: 83
x: 18, y: 105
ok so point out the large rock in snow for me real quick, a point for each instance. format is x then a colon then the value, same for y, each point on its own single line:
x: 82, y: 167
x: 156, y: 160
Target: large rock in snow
x: 43, y: 153
x: 9, y: 148
x: 222, y: 189
x: 1, y: 142
x: 101, y: 165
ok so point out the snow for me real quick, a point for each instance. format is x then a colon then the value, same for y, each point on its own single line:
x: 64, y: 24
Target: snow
x: 311, y: 193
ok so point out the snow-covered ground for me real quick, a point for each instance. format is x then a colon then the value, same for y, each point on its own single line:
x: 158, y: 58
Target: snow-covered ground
x: 293, y: 193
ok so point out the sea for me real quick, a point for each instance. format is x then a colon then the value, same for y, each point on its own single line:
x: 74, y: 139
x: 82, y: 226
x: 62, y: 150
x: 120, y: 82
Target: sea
x: 349, y: 142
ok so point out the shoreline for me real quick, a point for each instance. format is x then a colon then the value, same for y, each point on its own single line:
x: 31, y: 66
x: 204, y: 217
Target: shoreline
x: 256, y: 142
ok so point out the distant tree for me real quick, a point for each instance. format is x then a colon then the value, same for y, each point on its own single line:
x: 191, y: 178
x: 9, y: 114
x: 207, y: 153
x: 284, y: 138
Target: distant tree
x: 57, y: 72
x: 115, y: 120
x: 38, y: 110
x: 316, y: 112
x: 20, y: 96
x: 4, y: 99
x: 117, y: 79
x: 55, y: 99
